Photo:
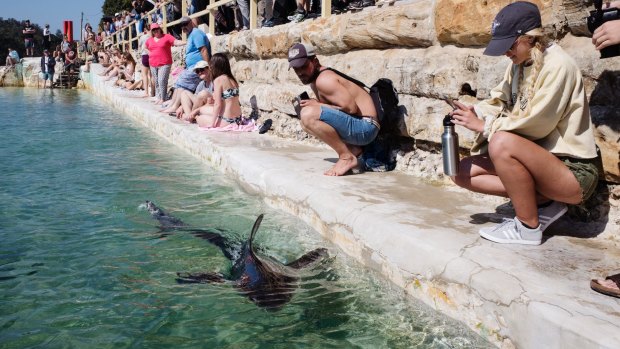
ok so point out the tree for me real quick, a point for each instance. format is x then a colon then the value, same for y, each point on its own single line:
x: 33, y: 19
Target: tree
x: 11, y: 36
x: 110, y: 7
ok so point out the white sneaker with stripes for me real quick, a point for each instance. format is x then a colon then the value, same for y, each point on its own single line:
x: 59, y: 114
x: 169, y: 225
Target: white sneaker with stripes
x: 550, y: 214
x: 512, y: 231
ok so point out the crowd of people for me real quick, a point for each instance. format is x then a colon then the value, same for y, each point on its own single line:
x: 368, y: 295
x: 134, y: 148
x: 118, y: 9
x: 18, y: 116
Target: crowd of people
x: 233, y: 16
x: 205, y: 92
x: 535, y: 138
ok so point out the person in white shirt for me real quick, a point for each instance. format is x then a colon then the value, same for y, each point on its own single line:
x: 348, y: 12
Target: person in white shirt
x: 12, y: 58
x: 47, y: 37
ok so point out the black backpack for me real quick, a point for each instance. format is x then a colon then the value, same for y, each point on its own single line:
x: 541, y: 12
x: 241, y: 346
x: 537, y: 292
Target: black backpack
x: 385, y: 98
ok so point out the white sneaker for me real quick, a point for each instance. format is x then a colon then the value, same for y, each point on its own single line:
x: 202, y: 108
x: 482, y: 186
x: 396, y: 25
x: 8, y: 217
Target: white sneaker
x: 299, y: 17
x: 550, y: 214
x: 512, y: 231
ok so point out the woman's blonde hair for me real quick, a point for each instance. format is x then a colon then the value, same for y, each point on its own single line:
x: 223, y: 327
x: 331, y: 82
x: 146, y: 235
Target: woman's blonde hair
x: 539, y: 44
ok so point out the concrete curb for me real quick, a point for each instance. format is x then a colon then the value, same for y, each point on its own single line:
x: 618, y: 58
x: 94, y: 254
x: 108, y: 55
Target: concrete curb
x: 419, y: 236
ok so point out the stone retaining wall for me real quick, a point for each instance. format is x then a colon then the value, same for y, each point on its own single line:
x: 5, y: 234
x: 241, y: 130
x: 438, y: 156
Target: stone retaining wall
x: 430, y: 50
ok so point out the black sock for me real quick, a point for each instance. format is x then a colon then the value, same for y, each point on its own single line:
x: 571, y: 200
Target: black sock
x: 545, y: 204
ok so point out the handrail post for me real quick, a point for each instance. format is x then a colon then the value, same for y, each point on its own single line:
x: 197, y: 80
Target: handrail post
x: 129, y: 26
x: 164, y: 22
x: 212, y: 19
x: 184, y: 12
x: 253, y: 14
x: 326, y: 8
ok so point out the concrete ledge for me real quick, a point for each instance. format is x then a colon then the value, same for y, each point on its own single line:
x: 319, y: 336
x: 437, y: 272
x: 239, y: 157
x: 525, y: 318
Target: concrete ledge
x: 421, y: 237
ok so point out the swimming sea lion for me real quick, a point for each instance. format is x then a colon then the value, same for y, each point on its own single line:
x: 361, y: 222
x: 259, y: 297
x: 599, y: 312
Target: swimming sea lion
x: 265, y: 281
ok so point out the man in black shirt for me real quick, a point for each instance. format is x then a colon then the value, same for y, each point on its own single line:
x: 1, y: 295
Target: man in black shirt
x: 29, y: 38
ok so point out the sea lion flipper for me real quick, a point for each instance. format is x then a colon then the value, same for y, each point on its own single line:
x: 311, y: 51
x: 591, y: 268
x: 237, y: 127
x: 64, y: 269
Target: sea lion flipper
x: 188, y: 278
x: 216, y: 239
x: 308, y: 258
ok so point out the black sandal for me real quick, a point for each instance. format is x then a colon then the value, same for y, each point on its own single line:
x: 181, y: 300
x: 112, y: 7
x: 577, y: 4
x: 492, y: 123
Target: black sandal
x: 265, y: 127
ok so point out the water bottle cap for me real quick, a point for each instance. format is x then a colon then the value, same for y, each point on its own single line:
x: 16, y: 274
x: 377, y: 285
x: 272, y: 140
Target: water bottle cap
x: 447, y: 121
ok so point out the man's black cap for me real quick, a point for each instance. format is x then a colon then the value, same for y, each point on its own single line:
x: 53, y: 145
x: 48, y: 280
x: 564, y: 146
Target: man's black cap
x: 511, y: 22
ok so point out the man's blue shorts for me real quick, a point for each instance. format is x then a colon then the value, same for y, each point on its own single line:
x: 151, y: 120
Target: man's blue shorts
x: 352, y: 130
x: 187, y: 80
x: 47, y: 76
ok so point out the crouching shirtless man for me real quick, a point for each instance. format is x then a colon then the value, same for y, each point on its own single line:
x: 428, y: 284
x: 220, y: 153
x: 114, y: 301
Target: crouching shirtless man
x: 342, y: 115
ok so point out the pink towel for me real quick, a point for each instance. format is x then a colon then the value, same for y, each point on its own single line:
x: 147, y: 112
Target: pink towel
x: 248, y: 127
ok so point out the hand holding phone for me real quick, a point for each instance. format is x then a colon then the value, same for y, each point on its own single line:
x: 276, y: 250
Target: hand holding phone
x: 297, y: 102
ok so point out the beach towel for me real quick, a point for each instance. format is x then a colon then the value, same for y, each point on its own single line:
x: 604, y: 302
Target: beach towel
x: 248, y: 126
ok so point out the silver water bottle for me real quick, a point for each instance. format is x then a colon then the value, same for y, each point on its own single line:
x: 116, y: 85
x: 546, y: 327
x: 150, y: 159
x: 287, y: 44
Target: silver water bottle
x: 450, y: 148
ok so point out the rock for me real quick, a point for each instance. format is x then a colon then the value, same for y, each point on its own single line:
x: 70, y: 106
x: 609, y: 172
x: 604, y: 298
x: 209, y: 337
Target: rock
x: 374, y: 28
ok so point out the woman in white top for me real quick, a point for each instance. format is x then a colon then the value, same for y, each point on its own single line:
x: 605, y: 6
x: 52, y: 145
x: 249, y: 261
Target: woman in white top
x: 535, y: 139
x: 145, y: 70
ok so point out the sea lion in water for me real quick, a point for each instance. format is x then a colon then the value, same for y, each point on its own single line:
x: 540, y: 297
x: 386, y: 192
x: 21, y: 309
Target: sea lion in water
x: 265, y: 281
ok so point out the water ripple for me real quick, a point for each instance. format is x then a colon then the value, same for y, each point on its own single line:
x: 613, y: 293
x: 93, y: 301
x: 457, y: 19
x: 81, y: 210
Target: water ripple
x: 83, y: 265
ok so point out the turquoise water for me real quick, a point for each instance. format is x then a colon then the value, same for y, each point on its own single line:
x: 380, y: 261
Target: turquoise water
x: 82, y: 264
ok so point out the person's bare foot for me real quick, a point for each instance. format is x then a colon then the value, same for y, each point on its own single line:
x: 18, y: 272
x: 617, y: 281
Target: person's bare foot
x: 343, y: 166
x: 608, y: 283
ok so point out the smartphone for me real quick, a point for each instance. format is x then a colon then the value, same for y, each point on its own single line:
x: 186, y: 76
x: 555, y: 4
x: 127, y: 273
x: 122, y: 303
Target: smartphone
x: 450, y: 103
x: 297, y: 102
x: 297, y: 106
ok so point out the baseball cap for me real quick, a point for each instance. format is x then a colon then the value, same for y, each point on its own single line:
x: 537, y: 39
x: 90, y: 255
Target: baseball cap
x: 185, y: 20
x: 200, y: 65
x: 117, y: 14
x: 298, y: 54
x: 512, y: 21
x: 155, y: 26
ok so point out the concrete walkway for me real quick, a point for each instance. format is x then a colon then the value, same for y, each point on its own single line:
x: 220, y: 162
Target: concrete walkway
x: 421, y: 237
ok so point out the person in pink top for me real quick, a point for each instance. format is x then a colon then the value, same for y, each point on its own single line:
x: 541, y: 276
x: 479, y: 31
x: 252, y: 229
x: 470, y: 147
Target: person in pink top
x: 160, y: 59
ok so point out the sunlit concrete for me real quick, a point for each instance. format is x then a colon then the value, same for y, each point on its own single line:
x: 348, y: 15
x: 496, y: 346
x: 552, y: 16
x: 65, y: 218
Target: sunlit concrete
x: 421, y: 237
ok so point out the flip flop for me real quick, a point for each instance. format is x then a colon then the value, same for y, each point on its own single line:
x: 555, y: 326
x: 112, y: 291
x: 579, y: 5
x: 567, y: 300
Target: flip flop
x: 614, y: 292
x: 266, y: 126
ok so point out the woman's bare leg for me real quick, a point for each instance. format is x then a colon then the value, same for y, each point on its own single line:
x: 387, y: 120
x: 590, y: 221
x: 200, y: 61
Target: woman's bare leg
x: 174, y: 102
x: 187, y: 103
x: 146, y: 81
x: 526, y: 169
x: 206, y: 117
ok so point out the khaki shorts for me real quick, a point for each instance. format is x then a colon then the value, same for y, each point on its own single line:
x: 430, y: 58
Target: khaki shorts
x: 586, y: 173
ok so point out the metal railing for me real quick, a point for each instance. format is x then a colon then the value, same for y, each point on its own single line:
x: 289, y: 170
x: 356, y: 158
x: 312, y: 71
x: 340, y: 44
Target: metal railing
x: 213, y: 6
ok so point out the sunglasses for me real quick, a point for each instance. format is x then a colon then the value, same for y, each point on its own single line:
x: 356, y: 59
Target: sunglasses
x: 514, y: 45
x: 200, y: 70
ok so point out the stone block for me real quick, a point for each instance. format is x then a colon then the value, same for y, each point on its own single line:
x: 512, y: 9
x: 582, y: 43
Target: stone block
x: 405, y: 26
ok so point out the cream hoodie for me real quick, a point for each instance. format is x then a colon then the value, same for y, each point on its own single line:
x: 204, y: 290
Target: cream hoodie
x: 559, y: 118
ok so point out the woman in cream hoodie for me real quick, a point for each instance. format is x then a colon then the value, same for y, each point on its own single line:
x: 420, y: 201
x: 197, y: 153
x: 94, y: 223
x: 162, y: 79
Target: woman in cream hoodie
x: 535, y: 141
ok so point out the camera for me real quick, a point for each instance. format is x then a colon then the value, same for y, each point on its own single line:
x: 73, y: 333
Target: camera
x: 297, y: 101
x: 597, y: 18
